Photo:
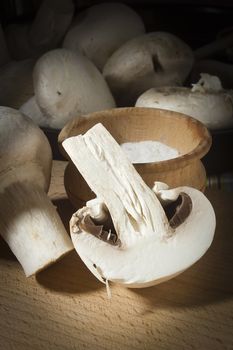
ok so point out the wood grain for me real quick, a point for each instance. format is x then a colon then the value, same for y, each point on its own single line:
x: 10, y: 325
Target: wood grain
x: 65, y: 307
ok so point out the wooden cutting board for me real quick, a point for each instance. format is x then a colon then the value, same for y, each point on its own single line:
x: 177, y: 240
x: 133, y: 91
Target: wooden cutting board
x: 65, y: 307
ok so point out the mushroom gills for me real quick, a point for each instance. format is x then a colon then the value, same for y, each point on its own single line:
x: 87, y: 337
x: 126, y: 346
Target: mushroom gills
x: 177, y: 211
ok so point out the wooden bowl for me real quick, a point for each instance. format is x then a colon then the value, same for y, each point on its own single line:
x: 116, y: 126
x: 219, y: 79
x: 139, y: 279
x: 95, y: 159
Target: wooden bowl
x: 189, y: 136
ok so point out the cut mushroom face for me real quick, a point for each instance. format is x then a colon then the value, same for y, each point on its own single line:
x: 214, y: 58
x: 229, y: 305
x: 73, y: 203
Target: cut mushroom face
x: 206, y: 101
x: 98, y: 31
x: 66, y: 85
x: 29, y: 222
x: 150, y: 60
x: 131, y: 234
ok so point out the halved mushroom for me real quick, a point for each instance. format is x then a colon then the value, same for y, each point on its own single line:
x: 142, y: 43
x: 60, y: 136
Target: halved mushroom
x: 206, y: 101
x: 150, y: 60
x: 68, y: 84
x: 125, y: 235
x: 101, y: 29
x: 29, y: 222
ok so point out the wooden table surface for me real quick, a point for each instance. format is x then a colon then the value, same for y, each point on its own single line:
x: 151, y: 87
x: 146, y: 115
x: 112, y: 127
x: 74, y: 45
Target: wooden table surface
x: 66, y: 307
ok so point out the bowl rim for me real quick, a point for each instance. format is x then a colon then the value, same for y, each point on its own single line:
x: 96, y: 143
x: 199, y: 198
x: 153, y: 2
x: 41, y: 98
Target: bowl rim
x: 197, y: 153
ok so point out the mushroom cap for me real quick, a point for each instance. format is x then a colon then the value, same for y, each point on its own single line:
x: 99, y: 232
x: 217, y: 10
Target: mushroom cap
x: 100, y: 30
x: 68, y: 84
x: 25, y: 152
x: 214, y: 109
x: 149, y: 260
x: 16, y: 85
x: 150, y: 60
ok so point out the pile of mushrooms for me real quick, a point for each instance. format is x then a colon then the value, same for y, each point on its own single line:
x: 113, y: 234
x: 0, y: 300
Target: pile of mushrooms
x: 29, y: 222
x: 206, y: 101
x: 150, y: 60
x: 101, y: 29
x: 131, y: 234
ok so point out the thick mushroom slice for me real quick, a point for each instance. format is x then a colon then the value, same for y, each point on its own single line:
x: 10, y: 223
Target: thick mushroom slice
x: 125, y: 235
x: 150, y: 60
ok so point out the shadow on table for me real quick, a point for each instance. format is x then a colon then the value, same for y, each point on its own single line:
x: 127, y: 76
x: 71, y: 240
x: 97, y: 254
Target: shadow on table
x: 68, y: 275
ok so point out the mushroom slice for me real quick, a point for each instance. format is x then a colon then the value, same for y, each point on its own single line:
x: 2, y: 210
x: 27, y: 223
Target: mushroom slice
x: 150, y: 60
x: 143, y: 246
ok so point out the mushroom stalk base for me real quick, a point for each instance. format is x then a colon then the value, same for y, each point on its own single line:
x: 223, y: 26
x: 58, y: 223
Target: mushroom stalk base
x: 31, y: 226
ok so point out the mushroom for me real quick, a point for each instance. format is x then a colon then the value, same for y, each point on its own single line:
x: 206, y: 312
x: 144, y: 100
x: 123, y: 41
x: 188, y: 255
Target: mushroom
x: 4, y: 54
x: 16, y: 85
x: 68, y: 84
x: 206, y: 101
x: 128, y: 234
x: 100, y: 30
x: 32, y: 110
x: 29, y: 222
x: 44, y: 33
x: 150, y: 60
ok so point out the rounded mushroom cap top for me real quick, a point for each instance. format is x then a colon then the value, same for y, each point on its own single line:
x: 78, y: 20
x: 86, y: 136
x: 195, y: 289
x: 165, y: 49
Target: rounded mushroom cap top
x: 100, y: 30
x: 25, y: 153
x: 212, y: 108
x: 68, y: 84
x: 150, y: 60
x: 161, y: 52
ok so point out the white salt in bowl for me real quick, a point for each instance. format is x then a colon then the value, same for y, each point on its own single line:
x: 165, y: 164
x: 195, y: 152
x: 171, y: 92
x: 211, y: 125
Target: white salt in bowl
x: 186, y: 141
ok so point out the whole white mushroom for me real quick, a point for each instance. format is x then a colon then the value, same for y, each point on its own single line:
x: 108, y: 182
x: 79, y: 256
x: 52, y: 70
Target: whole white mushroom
x: 206, y: 101
x: 150, y: 60
x: 29, y: 222
x: 101, y: 29
x: 68, y: 84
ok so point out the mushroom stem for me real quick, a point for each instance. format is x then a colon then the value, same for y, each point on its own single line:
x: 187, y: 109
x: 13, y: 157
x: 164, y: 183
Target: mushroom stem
x: 31, y: 226
x: 133, y: 207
